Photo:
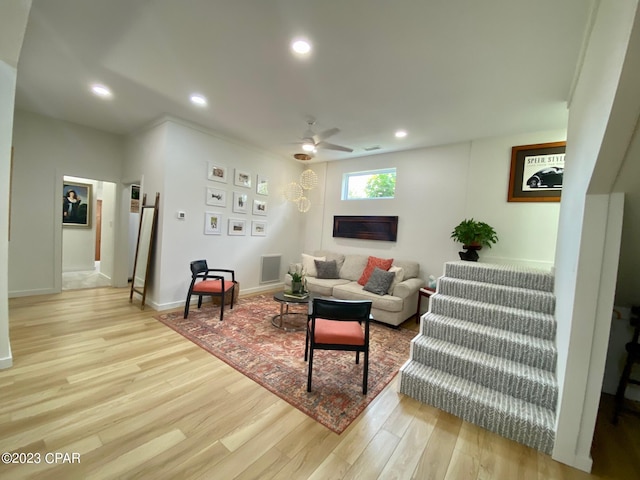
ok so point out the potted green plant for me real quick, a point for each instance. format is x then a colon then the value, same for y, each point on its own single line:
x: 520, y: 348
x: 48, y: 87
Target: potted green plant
x: 297, y: 278
x: 473, y: 235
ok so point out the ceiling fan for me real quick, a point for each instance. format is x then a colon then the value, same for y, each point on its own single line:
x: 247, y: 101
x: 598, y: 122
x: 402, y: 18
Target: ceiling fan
x: 312, y: 141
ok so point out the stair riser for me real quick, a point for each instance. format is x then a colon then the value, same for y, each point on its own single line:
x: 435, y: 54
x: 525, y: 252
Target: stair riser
x: 494, y: 316
x: 500, y: 276
x: 500, y: 422
x: 489, y: 376
x: 528, y: 354
x: 498, y: 295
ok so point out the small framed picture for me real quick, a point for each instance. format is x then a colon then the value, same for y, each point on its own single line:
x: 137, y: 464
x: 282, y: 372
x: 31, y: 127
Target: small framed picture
x: 212, y: 223
x: 259, y: 207
x: 236, y: 227
x: 262, y: 185
x: 240, y: 201
x: 217, y: 172
x: 537, y: 172
x: 242, y: 178
x: 216, y: 197
x: 258, y: 228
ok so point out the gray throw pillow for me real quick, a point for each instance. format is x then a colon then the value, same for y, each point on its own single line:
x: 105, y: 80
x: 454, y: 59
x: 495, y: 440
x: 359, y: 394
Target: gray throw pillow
x: 379, y: 281
x: 327, y: 269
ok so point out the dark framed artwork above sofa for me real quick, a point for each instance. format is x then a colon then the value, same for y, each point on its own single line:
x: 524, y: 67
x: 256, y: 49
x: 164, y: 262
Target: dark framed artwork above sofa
x: 366, y: 227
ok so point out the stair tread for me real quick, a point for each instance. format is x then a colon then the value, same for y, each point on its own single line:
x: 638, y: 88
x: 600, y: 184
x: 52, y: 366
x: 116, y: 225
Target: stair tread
x: 499, y: 286
x: 541, y: 316
x: 477, y: 328
x: 534, y: 277
x: 500, y: 363
x: 516, y: 407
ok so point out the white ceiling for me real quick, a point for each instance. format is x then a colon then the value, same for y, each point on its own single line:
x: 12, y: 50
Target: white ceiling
x: 444, y: 70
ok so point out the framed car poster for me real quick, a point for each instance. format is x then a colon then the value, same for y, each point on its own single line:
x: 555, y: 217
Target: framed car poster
x: 537, y: 172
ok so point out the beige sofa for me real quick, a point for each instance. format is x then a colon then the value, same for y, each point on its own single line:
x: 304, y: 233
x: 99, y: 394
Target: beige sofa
x: 392, y: 308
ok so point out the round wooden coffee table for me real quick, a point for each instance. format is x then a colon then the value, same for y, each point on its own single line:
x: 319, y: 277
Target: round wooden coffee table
x: 290, y: 321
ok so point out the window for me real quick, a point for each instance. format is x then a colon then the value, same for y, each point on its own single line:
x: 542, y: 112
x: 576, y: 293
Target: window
x: 370, y: 184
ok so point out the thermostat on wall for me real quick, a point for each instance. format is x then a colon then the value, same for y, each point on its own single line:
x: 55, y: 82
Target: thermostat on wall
x: 182, y: 215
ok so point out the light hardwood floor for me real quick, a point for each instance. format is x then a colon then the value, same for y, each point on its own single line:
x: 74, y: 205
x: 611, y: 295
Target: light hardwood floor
x: 95, y: 376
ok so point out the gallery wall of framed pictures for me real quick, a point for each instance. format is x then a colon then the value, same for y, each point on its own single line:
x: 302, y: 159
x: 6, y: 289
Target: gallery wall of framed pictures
x: 240, y: 199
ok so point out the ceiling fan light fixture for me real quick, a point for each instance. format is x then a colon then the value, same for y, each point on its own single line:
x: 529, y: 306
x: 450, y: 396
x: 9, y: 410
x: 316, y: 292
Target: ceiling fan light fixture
x: 308, y: 147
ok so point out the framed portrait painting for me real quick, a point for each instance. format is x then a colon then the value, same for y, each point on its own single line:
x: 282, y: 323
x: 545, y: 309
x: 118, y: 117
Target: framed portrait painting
x: 536, y: 172
x: 77, y: 199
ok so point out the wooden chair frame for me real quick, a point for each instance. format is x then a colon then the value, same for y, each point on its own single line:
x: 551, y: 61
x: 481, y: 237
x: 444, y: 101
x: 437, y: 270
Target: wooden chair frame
x: 201, y: 271
x: 341, y: 310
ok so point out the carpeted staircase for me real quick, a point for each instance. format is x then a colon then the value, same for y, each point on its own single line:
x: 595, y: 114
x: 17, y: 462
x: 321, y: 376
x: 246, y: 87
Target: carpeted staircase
x: 486, y: 351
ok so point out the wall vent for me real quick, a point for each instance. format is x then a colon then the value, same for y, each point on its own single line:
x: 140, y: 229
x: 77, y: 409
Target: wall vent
x: 270, y: 268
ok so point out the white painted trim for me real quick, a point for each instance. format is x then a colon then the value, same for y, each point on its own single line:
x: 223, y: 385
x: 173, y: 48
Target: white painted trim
x: 28, y: 293
x: 6, y: 362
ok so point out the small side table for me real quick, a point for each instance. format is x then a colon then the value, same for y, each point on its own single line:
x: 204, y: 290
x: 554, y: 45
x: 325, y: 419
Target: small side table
x: 423, y: 292
x: 286, y: 320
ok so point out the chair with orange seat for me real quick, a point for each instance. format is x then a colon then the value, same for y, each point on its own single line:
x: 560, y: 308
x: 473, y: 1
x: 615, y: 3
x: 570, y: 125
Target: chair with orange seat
x: 339, y: 325
x: 213, y: 282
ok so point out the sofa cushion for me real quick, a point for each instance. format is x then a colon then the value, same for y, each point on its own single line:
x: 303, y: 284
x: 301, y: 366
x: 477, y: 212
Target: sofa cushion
x: 353, y: 267
x: 329, y: 255
x: 411, y: 268
x: 308, y: 262
x: 372, y: 263
x: 327, y: 269
x: 379, y: 281
x: 324, y: 286
x: 354, y: 291
x: 397, y: 278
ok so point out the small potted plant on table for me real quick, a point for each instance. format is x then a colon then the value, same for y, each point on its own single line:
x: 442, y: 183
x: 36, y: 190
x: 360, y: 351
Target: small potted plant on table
x: 473, y: 235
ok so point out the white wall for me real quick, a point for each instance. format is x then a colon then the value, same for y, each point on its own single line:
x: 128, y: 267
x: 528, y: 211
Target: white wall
x: 527, y: 231
x: 7, y: 93
x: 79, y: 243
x: 181, y: 151
x: 45, y: 150
x: 436, y: 188
x: 589, y: 230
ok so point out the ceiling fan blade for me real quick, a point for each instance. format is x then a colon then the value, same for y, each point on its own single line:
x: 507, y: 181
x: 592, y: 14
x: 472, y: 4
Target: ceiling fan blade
x: 331, y: 146
x: 326, y: 134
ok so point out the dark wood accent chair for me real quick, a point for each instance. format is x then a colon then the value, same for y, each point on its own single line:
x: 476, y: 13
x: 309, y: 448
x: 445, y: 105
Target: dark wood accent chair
x: 212, y: 282
x: 339, y: 325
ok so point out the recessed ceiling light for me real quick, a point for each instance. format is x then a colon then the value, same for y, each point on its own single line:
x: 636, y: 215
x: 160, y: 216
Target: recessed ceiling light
x: 401, y: 134
x: 301, y: 46
x: 198, y: 99
x: 101, y: 90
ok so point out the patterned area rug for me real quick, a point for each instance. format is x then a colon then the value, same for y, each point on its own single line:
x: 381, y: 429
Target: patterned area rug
x: 248, y: 342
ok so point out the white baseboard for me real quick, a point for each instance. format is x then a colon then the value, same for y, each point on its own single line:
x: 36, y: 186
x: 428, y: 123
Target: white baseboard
x: 243, y: 293
x: 29, y: 293
x: 6, y: 362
